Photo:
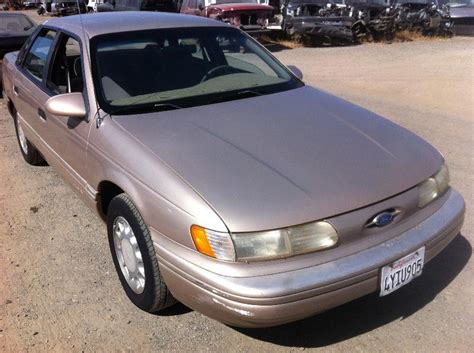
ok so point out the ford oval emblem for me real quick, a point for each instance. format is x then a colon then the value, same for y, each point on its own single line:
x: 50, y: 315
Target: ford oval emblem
x: 383, y: 218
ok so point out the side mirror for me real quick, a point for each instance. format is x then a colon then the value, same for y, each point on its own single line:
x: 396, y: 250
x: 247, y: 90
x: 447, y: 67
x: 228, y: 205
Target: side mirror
x: 68, y: 105
x: 297, y: 72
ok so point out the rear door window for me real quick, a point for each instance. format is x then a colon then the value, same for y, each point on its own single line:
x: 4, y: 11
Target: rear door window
x: 37, y: 56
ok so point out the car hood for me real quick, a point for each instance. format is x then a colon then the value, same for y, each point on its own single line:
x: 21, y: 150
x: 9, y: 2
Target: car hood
x: 461, y: 11
x: 241, y: 7
x: 286, y: 158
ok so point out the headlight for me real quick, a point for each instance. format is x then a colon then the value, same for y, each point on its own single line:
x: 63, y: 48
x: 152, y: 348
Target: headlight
x: 433, y: 187
x: 258, y: 246
x: 284, y: 242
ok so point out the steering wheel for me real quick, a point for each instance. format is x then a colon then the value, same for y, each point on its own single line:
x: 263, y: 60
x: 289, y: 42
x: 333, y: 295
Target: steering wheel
x: 218, y: 71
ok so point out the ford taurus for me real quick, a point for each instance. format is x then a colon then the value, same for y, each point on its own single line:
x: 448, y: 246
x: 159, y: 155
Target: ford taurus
x: 226, y: 183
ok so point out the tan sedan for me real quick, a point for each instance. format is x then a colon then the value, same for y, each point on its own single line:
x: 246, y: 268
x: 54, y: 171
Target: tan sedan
x: 225, y: 181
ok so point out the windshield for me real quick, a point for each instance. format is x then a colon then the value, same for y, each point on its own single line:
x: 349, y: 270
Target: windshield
x: 15, y: 24
x: 175, y: 68
x: 212, y: 2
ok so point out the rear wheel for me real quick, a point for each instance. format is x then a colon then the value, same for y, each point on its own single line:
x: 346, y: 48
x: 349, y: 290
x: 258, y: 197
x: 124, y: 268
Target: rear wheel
x: 134, y: 256
x: 28, y: 151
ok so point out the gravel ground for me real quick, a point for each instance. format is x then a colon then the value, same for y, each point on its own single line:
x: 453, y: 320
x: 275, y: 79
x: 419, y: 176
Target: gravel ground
x: 59, y: 290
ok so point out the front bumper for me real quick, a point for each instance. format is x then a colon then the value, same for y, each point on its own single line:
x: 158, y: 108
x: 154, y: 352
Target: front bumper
x: 274, y: 299
x: 254, y: 29
x: 336, y: 28
x: 463, y: 30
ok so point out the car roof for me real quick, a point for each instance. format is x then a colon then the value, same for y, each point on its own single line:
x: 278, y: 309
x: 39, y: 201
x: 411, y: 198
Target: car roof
x: 126, y: 21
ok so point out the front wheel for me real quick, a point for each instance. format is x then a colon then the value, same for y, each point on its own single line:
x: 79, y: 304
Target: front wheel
x: 134, y: 256
x: 29, y: 152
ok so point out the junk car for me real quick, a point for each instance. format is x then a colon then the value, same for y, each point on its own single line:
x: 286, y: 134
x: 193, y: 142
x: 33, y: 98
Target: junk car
x: 373, y: 19
x: 248, y: 15
x: 62, y: 7
x: 423, y: 16
x: 461, y: 13
x: 138, y: 5
x: 318, y: 19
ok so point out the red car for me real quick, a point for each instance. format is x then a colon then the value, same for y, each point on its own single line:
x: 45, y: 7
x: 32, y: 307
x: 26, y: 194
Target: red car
x: 248, y: 15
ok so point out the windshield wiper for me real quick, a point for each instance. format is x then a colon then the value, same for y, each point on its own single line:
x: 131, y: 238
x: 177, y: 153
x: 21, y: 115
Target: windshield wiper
x: 157, y: 107
x: 248, y: 93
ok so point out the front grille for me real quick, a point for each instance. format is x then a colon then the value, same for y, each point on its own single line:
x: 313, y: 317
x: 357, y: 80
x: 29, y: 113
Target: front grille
x: 249, y: 19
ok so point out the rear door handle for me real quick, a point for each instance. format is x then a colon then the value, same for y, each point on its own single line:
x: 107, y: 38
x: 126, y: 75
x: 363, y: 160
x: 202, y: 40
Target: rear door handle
x: 41, y: 114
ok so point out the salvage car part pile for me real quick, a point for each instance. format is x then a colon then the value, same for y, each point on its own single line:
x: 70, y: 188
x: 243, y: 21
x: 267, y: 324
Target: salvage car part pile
x: 358, y: 20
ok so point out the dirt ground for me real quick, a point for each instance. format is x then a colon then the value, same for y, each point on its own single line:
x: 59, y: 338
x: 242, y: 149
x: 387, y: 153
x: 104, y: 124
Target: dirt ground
x: 58, y: 287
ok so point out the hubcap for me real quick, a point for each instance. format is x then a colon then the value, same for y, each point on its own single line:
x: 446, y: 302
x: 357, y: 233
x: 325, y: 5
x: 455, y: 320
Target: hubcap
x: 22, y: 137
x: 128, y: 255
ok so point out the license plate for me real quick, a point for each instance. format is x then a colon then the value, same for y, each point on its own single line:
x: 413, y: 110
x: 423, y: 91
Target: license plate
x: 401, y: 272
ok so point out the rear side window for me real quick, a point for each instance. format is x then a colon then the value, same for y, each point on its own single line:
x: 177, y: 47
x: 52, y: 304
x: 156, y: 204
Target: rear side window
x: 24, y: 49
x: 37, y: 55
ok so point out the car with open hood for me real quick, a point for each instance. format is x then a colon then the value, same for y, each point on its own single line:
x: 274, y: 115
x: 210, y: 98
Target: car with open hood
x: 62, y: 7
x: 137, y: 5
x: 248, y: 15
x: 225, y: 182
x: 373, y: 19
x: 317, y: 19
x: 423, y: 16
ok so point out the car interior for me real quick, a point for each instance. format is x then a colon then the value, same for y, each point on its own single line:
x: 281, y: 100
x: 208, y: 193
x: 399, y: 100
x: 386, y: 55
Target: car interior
x: 167, y: 68
x: 145, y: 68
x: 66, y: 73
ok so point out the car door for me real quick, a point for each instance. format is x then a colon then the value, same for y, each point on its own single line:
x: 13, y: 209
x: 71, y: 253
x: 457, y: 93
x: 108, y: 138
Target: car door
x: 67, y: 136
x: 53, y: 65
x: 30, y: 94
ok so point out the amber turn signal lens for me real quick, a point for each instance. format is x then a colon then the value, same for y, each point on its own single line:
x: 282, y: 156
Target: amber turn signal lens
x: 200, y: 241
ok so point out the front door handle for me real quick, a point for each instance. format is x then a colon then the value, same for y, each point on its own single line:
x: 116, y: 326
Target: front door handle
x: 41, y: 114
x: 15, y: 90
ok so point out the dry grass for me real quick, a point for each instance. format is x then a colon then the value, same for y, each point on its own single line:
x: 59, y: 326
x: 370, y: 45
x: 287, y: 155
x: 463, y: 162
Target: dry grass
x: 408, y: 36
x: 288, y: 43
x: 282, y: 42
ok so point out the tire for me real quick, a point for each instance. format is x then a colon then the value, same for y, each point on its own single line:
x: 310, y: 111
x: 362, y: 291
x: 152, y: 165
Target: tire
x: 153, y: 295
x: 29, y: 152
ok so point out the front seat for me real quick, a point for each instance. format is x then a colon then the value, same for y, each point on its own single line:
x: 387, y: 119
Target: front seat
x: 77, y: 83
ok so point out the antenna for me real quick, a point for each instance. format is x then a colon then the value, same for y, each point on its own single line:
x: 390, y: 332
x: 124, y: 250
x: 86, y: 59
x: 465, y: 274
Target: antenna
x: 89, y: 61
x: 83, y: 30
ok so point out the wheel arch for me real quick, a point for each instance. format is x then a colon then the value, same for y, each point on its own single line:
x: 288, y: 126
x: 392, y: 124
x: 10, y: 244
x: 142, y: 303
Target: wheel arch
x: 11, y: 107
x: 107, y: 190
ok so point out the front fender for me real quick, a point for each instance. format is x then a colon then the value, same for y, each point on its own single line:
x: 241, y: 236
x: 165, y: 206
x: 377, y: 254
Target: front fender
x: 166, y: 202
